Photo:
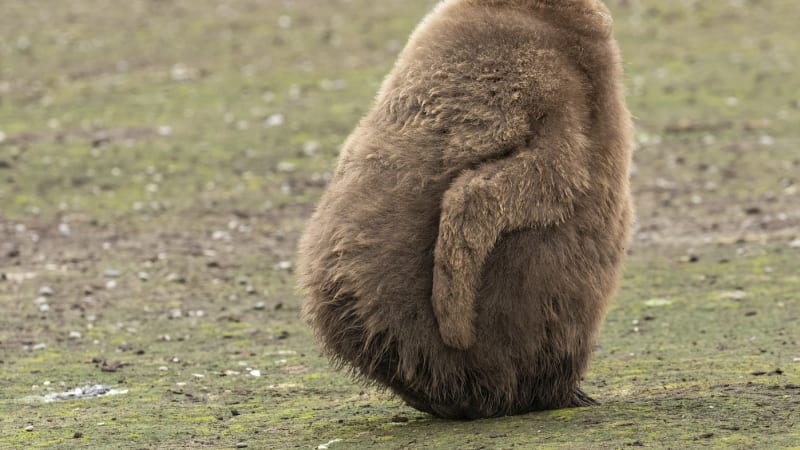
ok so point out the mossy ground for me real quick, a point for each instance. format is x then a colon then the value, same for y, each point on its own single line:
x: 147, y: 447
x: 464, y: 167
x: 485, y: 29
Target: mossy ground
x: 158, y: 158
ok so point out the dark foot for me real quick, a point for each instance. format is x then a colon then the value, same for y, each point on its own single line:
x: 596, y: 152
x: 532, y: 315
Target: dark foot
x: 579, y: 399
x: 443, y: 411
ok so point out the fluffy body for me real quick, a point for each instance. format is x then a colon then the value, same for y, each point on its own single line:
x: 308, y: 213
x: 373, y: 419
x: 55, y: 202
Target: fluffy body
x: 468, y: 245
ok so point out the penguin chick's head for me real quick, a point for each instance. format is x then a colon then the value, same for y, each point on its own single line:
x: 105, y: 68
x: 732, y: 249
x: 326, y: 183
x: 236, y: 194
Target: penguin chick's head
x: 590, y: 17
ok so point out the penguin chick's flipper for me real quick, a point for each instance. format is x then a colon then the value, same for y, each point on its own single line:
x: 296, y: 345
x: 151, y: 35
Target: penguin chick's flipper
x: 534, y: 187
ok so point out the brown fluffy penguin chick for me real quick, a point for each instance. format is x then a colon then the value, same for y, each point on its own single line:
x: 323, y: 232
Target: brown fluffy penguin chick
x: 467, y: 247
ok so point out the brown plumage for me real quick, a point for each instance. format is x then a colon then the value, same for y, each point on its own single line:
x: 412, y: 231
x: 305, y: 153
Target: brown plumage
x: 467, y: 247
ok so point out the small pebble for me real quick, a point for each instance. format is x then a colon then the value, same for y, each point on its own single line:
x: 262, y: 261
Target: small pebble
x: 29, y: 428
x: 177, y: 279
x: 766, y: 140
x: 241, y: 445
x: 64, y: 229
x: 285, y: 166
x: 46, y: 291
x: 260, y: 305
x: 310, y: 148
x: 275, y: 120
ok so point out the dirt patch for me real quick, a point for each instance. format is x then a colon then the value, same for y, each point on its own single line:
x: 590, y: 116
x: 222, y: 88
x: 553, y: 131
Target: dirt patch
x: 94, y: 137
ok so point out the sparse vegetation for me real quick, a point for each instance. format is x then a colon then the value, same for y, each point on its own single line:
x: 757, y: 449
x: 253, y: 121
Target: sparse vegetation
x: 158, y: 158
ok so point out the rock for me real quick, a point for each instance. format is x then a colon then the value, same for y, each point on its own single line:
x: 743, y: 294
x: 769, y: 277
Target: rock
x: 65, y: 229
x: 46, y: 291
x: 658, y: 302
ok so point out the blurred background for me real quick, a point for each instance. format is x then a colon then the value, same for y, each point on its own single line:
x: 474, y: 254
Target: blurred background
x: 158, y: 159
